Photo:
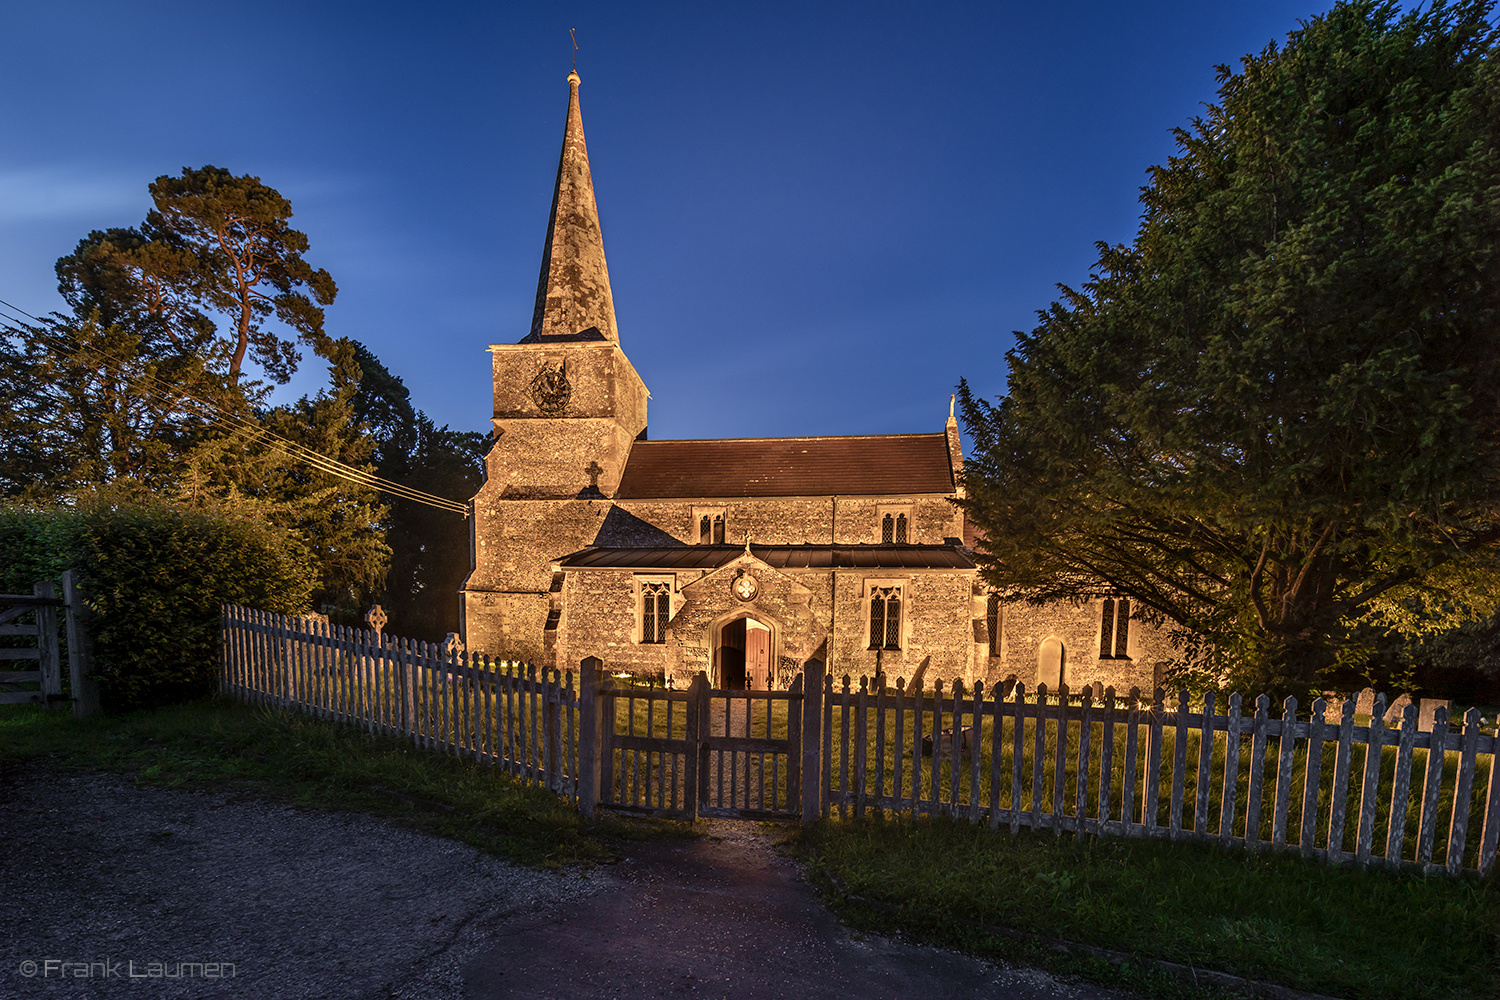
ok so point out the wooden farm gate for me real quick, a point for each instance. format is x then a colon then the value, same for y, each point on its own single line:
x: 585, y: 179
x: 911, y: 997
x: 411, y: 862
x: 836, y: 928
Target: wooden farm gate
x: 702, y: 751
x: 37, y: 640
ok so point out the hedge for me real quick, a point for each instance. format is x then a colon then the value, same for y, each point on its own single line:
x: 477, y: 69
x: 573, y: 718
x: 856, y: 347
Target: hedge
x: 155, y: 574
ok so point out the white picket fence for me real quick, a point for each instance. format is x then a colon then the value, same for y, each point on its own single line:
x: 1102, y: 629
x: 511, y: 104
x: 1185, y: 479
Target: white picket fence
x: 1401, y: 798
x: 499, y: 712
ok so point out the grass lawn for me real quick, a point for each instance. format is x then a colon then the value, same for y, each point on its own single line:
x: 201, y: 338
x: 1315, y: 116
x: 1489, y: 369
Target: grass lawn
x: 1331, y: 930
x: 226, y: 746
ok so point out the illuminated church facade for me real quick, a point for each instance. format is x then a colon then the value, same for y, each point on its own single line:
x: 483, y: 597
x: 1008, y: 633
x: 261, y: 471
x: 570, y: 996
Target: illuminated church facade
x: 738, y: 557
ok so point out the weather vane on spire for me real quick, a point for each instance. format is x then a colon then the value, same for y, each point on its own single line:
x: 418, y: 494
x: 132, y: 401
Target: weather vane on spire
x: 575, y: 49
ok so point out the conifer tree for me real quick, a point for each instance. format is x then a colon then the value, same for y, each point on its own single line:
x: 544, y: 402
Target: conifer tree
x: 1275, y: 416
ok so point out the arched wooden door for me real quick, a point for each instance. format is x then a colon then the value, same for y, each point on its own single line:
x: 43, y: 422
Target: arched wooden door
x: 757, y: 658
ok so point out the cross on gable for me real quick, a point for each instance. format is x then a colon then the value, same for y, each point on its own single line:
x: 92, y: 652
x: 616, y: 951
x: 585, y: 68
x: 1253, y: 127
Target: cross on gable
x: 594, y: 472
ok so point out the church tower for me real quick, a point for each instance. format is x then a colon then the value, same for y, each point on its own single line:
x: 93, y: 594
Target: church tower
x: 568, y: 405
x: 567, y: 400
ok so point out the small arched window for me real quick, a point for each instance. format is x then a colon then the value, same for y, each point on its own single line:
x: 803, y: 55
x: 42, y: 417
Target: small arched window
x: 887, y: 529
x: 900, y: 529
x: 705, y: 531
x: 719, y: 529
x: 992, y: 622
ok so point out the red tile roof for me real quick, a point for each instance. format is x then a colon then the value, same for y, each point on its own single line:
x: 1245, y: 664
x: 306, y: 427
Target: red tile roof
x: 871, y: 465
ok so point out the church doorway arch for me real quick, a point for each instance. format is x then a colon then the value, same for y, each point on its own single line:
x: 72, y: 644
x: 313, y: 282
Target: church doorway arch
x: 744, y: 648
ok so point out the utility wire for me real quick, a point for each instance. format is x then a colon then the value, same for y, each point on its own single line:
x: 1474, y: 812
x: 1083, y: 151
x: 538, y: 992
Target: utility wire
x: 175, y: 396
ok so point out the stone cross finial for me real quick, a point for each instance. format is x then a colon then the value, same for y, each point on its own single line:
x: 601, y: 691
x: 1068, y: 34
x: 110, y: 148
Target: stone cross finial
x: 594, y: 472
x: 453, y: 644
x: 747, y: 543
x: 377, y: 618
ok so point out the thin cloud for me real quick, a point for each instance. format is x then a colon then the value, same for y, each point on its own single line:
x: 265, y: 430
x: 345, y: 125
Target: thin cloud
x: 57, y: 193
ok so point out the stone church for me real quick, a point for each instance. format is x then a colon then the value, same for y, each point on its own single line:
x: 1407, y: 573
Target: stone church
x: 740, y: 557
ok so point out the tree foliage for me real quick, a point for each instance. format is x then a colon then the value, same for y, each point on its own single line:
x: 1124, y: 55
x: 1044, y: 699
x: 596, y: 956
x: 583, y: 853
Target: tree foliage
x: 429, y: 547
x: 139, y: 390
x: 249, y: 263
x: 1272, y: 418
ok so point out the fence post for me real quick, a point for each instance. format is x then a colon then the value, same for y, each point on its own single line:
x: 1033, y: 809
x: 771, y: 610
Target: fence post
x: 590, y: 721
x: 693, y: 734
x: 700, y: 739
x: 552, y: 709
x: 812, y: 741
x: 48, y: 659
x: 80, y: 649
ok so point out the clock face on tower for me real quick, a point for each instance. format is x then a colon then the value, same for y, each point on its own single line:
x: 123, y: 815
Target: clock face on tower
x: 551, y: 390
x: 745, y: 587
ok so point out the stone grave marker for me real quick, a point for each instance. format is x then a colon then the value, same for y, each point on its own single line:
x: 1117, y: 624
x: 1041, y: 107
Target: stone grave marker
x: 1428, y: 707
x: 1393, y: 714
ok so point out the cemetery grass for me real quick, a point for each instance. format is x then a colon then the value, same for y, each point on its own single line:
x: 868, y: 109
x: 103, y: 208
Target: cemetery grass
x: 1331, y: 930
x: 221, y: 745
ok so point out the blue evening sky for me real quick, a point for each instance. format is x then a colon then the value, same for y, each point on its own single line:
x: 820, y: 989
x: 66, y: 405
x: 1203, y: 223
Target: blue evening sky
x: 818, y: 216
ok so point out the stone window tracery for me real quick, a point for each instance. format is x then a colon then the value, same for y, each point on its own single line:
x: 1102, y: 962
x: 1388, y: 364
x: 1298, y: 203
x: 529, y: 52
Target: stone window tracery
x: 885, y: 618
x: 655, y: 611
x: 895, y: 524
x: 709, y: 523
x: 893, y: 529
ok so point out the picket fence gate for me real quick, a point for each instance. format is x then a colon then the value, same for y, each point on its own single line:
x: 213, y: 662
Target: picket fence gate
x: 1400, y: 798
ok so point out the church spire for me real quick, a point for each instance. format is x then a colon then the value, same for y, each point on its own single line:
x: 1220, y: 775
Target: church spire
x: 573, y: 301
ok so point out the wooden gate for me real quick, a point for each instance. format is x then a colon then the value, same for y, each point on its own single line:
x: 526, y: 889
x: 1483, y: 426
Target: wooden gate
x: 699, y: 752
x: 750, y: 753
x: 37, y: 640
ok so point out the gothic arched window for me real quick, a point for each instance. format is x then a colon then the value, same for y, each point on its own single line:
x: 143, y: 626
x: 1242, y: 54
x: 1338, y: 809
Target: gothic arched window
x: 655, y: 610
x: 885, y: 618
x: 719, y: 529
x: 900, y: 529
x: 888, y: 529
x: 705, y: 531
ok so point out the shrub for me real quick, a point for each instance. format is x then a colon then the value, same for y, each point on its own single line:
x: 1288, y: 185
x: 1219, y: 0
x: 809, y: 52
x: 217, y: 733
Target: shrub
x: 155, y: 574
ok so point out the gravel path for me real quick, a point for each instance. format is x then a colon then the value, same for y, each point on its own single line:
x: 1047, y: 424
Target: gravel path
x: 303, y: 904
x: 112, y: 877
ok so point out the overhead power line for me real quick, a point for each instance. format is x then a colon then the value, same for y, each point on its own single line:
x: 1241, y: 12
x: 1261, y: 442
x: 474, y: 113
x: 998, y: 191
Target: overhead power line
x: 174, y: 396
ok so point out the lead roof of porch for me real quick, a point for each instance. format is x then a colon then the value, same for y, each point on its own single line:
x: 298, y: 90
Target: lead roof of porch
x: 778, y: 556
x: 867, y: 465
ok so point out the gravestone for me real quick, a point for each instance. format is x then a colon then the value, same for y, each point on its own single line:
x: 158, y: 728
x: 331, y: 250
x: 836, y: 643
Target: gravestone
x: 1098, y: 692
x: 1364, y: 702
x: 1393, y: 714
x: 1333, y: 707
x: 1428, y: 707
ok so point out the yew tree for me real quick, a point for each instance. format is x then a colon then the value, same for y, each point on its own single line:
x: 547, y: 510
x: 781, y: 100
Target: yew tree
x: 1271, y: 419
